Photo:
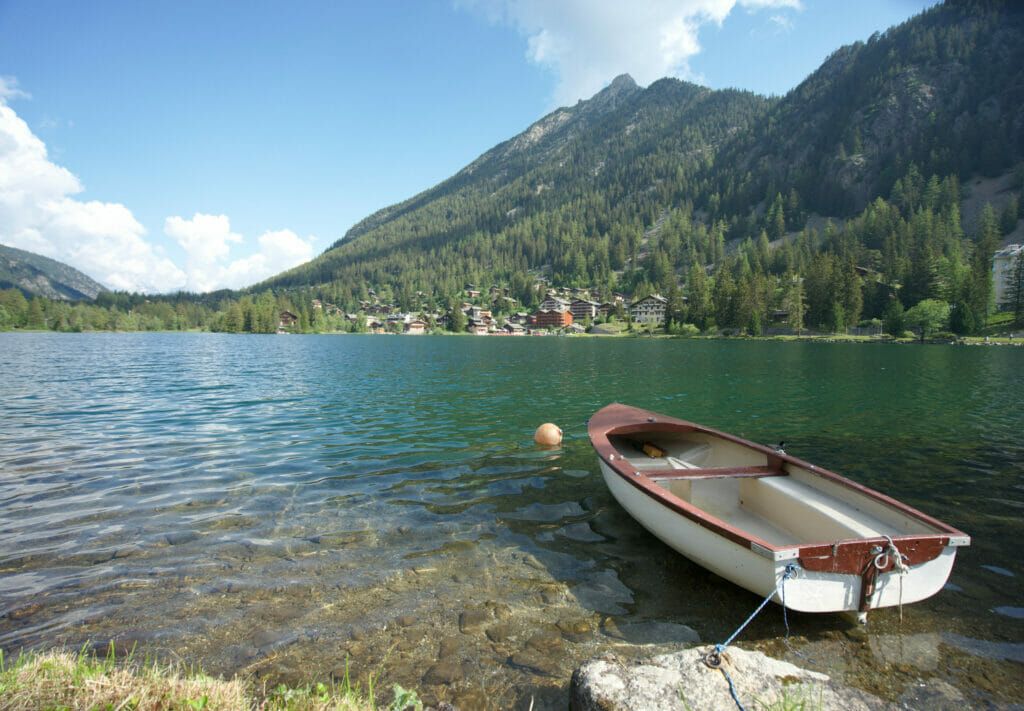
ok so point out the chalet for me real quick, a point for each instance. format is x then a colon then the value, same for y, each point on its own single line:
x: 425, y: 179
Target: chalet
x: 416, y: 327
x: 477, y: 329
x: 546, y: 318
x: 650, y: 309
x: 317, y: 304
x: 475, y: 313
x: 583, y: 309
x: 520, y: 317
x: 554, y: 303
x: 514, y: 329
x: 286, y: 319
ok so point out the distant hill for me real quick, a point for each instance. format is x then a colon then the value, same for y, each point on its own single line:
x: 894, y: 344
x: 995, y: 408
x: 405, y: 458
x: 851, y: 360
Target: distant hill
x: 584, y: 194
x: 36, y: 275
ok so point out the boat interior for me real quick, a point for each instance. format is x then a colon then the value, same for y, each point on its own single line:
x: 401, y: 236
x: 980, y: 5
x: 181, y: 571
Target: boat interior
x: 766, y: 496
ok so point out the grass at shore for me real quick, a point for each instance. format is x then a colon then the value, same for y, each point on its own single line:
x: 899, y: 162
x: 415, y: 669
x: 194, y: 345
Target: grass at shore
x: 65, y: 680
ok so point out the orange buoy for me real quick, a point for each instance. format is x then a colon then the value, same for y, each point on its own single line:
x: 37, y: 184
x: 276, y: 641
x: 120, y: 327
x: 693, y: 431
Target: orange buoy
x: 548, y: 435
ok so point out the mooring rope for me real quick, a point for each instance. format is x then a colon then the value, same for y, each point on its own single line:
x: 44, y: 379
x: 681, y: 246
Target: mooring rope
x: 882, y: 560
x: 713, y: 658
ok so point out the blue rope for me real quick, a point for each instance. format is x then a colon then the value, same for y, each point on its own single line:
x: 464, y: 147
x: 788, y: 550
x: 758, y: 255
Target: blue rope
x: 732, y: 689
x: 714, y: 658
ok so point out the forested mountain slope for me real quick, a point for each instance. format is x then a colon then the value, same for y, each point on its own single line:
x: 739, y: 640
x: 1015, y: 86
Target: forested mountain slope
x: 636, y: 186
x: 574, y: 191
x: 944, y: 91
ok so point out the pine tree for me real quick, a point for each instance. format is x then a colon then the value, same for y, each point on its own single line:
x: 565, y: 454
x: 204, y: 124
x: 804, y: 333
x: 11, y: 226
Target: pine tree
x: 456, y: 319
x: 234, y: 320
x: 724, y: 291
x: 675, y: 309
x: 795, y: 302
x: 1015, y: 290
x: 981, y: 291
x: 36, y: 318
x: 699, y: 297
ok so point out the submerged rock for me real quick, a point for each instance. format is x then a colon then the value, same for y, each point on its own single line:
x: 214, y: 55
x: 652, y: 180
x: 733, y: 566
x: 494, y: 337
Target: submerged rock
x: 473, y: 619
x: 682, y: 681
x: 444, y: 672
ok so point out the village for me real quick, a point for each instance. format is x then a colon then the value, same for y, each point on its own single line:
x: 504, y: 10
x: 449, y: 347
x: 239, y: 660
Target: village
x: 563, y: 311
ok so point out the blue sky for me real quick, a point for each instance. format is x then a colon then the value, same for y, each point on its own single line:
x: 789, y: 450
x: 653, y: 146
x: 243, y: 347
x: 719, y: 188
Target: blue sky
x: 165, y: 145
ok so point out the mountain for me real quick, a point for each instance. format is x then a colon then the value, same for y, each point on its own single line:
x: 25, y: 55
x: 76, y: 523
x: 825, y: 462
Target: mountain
x: 944, y: 90
x: 595, y: 172
x: 634, y: 184
x: 36, y: 275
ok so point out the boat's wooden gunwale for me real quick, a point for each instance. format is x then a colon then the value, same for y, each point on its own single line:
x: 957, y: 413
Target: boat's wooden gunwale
x: 842, y: 556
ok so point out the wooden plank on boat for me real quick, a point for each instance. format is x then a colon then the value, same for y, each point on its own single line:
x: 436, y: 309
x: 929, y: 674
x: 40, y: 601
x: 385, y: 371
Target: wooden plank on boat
x: 713, y: 473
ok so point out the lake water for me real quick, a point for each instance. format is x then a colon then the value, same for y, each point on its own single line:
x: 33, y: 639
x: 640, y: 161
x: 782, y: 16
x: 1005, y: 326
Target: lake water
x: 277, y: 506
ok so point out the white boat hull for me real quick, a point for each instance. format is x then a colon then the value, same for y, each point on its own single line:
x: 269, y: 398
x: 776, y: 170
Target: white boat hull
x: 808, y: 591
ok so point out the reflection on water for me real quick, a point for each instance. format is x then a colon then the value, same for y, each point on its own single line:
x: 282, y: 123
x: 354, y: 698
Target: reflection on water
x: 278, y: 506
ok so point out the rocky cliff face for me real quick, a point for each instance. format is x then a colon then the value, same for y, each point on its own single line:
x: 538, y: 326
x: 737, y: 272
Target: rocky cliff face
x: 35, y: 274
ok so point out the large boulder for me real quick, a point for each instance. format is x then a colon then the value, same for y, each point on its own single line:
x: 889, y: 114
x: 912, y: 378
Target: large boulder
x: 683, y: 681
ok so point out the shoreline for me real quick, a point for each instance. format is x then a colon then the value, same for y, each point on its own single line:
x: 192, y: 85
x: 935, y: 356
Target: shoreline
x: 779, y: 338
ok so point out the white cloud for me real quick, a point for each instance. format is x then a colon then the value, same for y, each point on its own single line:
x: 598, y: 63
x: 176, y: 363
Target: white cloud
x: 764, y: 4
x: 207, y: 241
x: 37, y: 213
x: 782, y: 23
x: 103, y: 239
x: 9, y: 89
x: 589, y: 42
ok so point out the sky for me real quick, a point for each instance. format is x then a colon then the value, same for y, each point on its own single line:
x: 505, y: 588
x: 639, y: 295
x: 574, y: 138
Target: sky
x: 191, y: 145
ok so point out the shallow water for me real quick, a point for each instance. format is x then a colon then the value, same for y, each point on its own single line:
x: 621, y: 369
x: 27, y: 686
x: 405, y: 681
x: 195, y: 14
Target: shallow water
x: 278, y: 506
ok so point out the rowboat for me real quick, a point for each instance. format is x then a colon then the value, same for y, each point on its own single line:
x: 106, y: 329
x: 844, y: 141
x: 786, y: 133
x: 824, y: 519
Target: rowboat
x: 749, y: 513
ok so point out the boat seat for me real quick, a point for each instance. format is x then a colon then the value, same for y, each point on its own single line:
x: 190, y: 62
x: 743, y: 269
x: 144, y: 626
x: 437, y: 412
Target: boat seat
x: 688, y: 457
x: 808, y: 512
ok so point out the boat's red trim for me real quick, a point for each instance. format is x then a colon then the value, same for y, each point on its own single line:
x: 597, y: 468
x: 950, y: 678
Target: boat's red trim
x: 849, y: 556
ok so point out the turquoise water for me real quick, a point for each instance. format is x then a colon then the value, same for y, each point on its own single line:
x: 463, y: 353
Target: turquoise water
x: 276, y: 506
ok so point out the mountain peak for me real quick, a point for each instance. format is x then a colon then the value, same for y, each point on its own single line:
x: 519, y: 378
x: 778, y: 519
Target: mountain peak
x: 621, y: 88
x: 621, y: 85
x: 623, y: 81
